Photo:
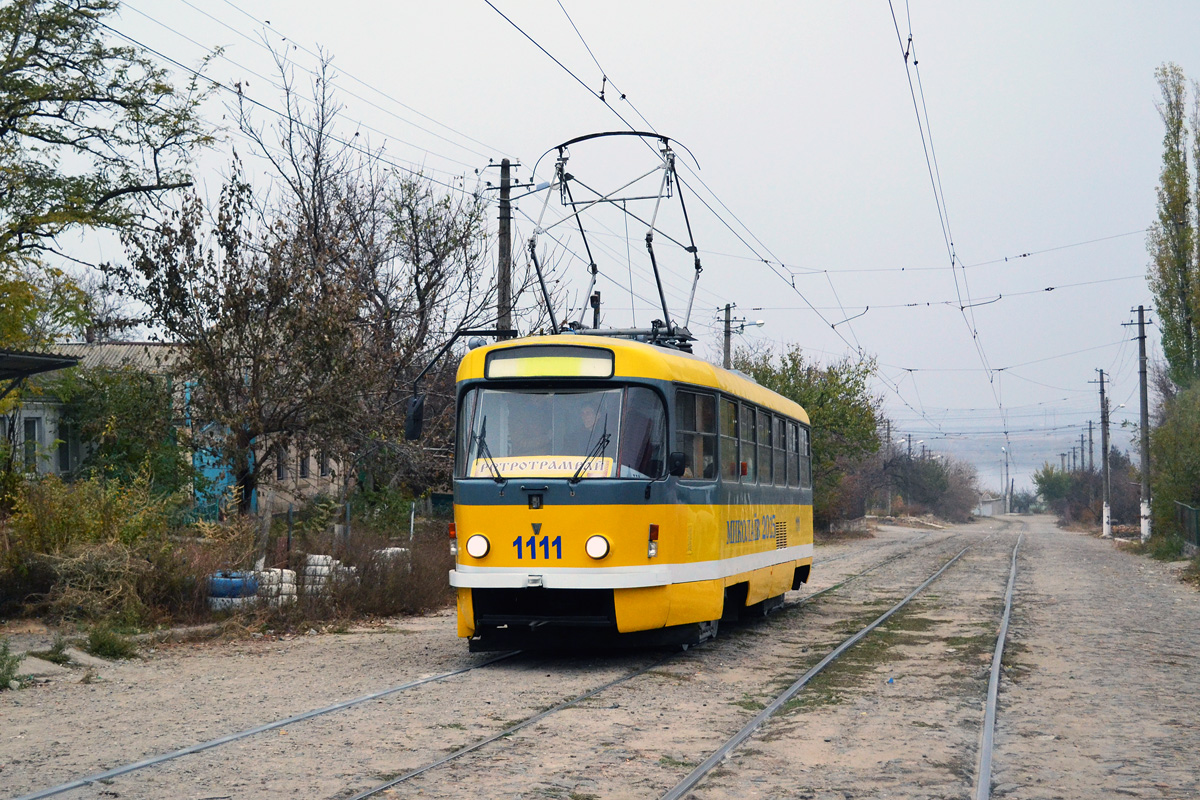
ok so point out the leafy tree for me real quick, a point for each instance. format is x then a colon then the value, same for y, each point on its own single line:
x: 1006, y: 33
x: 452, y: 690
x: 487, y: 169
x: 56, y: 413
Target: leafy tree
x: 90, y: 134
x: 1174, y: 273
x: 1175, y: 458
x: 845, y: 415
x: 125, y: 419
x: 268, y: 347
x: 942, y: 486
x: 1078, y: 495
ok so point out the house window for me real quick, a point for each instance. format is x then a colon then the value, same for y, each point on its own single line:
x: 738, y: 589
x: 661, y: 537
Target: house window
x: 323, y: 464
x: 68, y: 449
x: 280, y: 463
x: 33, y: 440
x: 304, y: 464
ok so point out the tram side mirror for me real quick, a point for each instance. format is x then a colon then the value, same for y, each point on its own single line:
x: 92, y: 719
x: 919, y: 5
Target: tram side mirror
x: 414, y: 417
x: 677, y: 464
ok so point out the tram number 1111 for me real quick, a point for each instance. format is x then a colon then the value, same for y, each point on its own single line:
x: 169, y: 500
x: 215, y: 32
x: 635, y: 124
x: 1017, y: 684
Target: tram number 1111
x: 533, y: 543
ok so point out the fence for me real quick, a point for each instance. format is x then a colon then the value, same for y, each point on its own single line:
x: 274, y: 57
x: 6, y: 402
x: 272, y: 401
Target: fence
x: 1189, y: 522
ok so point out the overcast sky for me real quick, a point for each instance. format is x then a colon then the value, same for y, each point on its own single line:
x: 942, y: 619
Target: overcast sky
x: 813, y: 188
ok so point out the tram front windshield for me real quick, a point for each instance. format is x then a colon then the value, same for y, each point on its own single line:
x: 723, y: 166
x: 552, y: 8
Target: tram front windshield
x: 600, y: 433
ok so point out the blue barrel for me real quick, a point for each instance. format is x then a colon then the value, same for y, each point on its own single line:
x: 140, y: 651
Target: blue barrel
x: 232, y: 584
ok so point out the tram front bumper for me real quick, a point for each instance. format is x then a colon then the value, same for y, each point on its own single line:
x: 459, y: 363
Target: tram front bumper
x: 559, y: 578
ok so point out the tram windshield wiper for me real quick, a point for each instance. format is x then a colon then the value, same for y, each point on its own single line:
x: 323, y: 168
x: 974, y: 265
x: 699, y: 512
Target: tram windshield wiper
x: 483, y: 450
x: 599, y: 449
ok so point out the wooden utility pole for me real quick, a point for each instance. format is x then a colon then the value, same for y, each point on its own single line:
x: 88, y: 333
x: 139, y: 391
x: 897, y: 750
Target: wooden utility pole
x: 504, y: 261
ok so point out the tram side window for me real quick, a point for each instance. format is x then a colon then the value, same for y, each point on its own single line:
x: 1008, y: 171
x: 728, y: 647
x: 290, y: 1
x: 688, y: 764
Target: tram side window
x: 793, y: 453
x: 764, y: 447
x: 643, y: 434
x: 466, y: 413
x: 696, y: 433
x: 730, y: 468
x: 778, y: 432
x: 749, y: 457
x: 805, y: 459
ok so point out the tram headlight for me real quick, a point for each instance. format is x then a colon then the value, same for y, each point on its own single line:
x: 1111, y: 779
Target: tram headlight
x: 597, y: 547
x: 478, y: 546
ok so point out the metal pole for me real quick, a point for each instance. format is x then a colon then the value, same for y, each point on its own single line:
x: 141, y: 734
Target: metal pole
x: 1145, y: 425
x: 504, y: 262
x: 728, y: 363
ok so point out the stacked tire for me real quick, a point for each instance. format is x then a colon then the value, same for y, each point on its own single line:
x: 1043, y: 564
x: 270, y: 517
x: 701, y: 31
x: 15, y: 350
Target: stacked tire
x: 320, y: 572
x: 277, y: 587
x: 228, y: 590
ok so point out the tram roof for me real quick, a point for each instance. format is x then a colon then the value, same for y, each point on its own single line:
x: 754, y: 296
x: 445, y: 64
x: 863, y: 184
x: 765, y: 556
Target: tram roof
x: 640, y: 360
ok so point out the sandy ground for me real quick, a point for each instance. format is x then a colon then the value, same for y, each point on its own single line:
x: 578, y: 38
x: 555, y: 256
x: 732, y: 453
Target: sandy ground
x: 1100, y: 699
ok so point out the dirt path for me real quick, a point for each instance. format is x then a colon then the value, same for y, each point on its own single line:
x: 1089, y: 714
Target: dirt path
x: 899, y: 718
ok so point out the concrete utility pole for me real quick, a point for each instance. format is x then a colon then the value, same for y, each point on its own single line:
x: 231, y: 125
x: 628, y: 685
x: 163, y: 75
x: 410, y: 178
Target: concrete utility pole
x: 1063, y: 458
x: 1145, y: 424
x: 1091, y: 449
x: 910, y: 447
x: 504, y: 262
x: 1073, y: 466
x: 1007, y: 487
x: 890, y: 447
x: 728, y: 332
x: 1082, y: 463
x: 1107, y: 530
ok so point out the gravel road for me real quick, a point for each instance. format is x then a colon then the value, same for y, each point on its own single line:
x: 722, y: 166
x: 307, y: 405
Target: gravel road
x: 1099, y: 699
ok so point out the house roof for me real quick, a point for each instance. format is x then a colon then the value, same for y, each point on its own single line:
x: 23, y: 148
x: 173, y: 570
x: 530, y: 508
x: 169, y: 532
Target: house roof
x: 15, y: 364
x: 147, y: 356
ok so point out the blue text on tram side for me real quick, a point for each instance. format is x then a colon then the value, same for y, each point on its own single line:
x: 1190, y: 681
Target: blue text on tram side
x: 739, y: 531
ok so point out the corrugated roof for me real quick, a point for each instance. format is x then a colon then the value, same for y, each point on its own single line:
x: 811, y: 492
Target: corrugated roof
x: 16, y: 364
x: 147, y: 356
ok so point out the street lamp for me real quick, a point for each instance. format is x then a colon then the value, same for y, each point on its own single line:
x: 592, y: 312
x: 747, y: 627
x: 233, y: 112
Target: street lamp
x: 740, y: 328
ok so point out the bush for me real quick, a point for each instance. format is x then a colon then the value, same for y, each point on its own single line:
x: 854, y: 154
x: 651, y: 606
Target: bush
x: 52, y: 516
x: 57, y: 654
x: 8, y: 666
x: 106, y: 643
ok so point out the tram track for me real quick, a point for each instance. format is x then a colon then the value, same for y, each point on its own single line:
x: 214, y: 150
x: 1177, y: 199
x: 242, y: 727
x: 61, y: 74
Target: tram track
x: 107, y: 775
x: 393, y: 782
x: 981, y: 788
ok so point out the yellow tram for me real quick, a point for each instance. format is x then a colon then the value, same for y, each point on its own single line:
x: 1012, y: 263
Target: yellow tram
x: 613, y: 491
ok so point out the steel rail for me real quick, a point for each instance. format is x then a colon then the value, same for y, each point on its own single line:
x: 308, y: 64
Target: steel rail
x: 710, y: 763
x: 511, y: 730
x: 848, y: 578
x: 983, y: 782
x: 590, y: 693
x: 233, y: 737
